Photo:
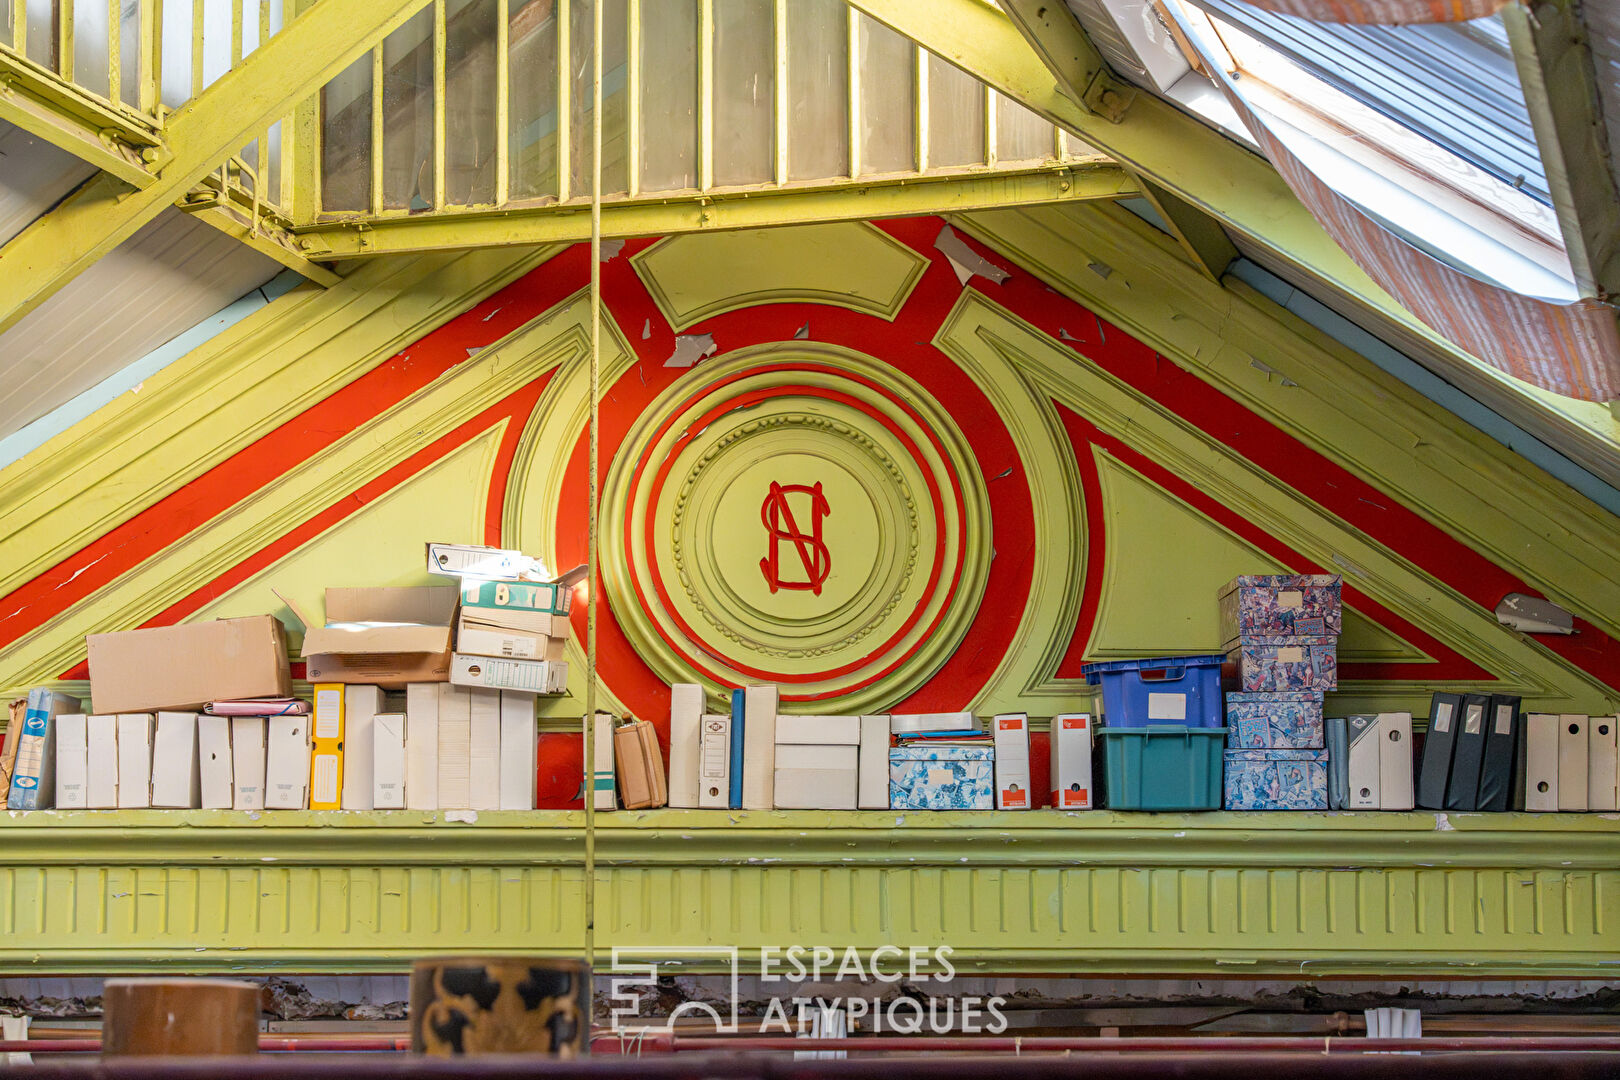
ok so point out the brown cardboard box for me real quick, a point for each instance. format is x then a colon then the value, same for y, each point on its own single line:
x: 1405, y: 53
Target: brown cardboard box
x: 185, y: 666
x: 641, y: 767
x: 384, y: 636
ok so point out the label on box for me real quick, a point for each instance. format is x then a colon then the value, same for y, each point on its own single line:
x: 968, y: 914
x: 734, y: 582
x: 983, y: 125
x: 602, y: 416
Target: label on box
x: 1290, y: 654
x: 1475, y: 721
x: 323, y: 781
x: 1074, y: 797
x: 1074, y: 723
x: 1504, y: 719
x: 1167, y: 706
x: 1291, y: 598
x: 1014, y: 798
x: 1010, y: 723
x: 328, y: 711
x: 941, y: 777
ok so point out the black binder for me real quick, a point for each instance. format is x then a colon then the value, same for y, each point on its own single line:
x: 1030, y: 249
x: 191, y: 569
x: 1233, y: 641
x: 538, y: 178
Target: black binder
x: 1501, y: 745
x: 1435, y: 769
x: 1468, y: 756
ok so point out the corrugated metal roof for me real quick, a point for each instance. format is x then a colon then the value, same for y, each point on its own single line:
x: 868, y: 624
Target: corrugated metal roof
x: 1453, y: 83
x: 165, y: 279
x: 34, y: 176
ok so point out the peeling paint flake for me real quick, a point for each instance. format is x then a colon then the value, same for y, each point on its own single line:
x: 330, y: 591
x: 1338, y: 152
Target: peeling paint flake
x: 964, y: 260
x: 465, y: 817
x: 610, y: 249
x: 690, y: 348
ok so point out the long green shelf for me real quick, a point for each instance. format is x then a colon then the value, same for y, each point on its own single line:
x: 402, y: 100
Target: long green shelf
x: 1395, y: 895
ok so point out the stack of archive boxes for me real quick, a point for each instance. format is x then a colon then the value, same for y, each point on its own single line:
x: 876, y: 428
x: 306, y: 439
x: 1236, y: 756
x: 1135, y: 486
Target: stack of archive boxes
x: 1161, y: 733
x: 1281, y: 634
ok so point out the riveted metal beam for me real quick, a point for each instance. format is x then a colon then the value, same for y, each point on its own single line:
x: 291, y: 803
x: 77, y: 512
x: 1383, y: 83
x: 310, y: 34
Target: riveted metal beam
x: 1067, y: 51
x: 666, y: 215
x: 1550, y: 46
x: 267, y: 237
x: 101, y: 214
x: 64, y: 115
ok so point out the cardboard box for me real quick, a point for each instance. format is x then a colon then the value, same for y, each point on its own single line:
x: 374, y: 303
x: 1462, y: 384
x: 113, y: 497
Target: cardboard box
x: 214, y: 762
x: 815, y: 789
x: 685, y: 726
x: 519, y: 750
x: 874, y: 767
x: 248, y: 757
x: 176, y: 779
x: 484, y: 748
x: 941, y: 778
x: 642, y: 784
x: 388, y: 761
x: 1011, y: 732
x: 33, y: 778
x: 477, y: 638
x: 134, y: 760
x: 1286, y: 663
x: 72, y: 762
x: 422, y: 745
x: 1072, y: 788
x: 1281, y: 605
x: 714, y: 762
x: 286, y: 763
x: 188, y: 665
x: 920, y: 723
x: 493, y: 600
x: 361, y: 704
x: 326, y: 761
x: 1276, y: 779
x: 455, y: 747
x: 383, y: 636
x: 1287, y: 720
x: 797, y: 756
x: 101, y: 732
x: 818, y: 730
x: 497, y: 673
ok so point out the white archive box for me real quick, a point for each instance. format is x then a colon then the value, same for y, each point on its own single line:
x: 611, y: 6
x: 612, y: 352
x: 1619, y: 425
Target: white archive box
x: 685, y: 725
x: 1071, y: 762
x: 874, y: 770
x: 72, y: 762
x: 388, y: 761
x: 286, y: 763
x: 484, y: 749
x: 455, y: 747
x: 816, y: 789
x: 248, y: 758
x: 1395, y: 779
x: 1572, y: 762
x: 1011, y: 732
x: 134, y: 760
x: 714, y: 762
x: 214, y: 762
x: 1602, y: 769
x: 818, y: 730
x: 422, y: 746
x: 519, y: 750
x: 361, y: 704
x: 1363, y: 766
x: 1541, y: 762
x: 817, y: 756
x: 101, y: 733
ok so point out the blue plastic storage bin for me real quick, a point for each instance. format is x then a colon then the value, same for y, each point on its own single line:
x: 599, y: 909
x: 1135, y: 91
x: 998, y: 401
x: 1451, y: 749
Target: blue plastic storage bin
x: 1164, y: 690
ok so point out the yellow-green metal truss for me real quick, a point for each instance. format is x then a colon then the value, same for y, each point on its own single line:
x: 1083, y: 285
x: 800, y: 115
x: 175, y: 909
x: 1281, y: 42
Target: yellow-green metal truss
x: 665, y: 214
x: 288, y: 68
x: 1067, y: 51
x: 116, y: 141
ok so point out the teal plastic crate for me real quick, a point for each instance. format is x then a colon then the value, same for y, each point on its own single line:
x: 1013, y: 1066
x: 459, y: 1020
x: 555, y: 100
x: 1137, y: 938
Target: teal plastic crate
x: 1162, y: 767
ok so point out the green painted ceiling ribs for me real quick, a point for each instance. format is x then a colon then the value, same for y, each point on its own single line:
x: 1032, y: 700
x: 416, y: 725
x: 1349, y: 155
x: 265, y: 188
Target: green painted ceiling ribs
x: 201, y: 134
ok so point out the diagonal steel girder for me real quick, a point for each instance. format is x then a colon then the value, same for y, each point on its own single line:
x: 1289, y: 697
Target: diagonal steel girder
x: 263, y: 88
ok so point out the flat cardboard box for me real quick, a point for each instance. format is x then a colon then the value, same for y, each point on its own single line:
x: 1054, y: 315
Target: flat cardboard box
x: 247, y: 762
x: 816, y: 789
x: 186, y: 666
x: 477, y: 638
x: 384, y: 636
x: 818, y: 730
x: 176, y: 780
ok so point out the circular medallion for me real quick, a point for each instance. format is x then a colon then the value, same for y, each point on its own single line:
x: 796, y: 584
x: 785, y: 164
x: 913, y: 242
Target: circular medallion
x: 799, y: 514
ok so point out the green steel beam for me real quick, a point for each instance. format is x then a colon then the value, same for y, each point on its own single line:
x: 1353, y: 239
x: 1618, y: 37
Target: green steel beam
x: 103, y: 213
x: 68, y: 117
x: 667, y: 215
x: 266, y: 237
x: 1067, y: 51
x: 1550, y: 46
x: 1199, y: 234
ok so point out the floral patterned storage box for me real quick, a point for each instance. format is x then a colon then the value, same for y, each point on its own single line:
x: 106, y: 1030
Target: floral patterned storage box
x: 1289, y: 720
x: 1276, y: 780
x: 1286, y: 663
x: 1281, y: 605
x: 942, y: 778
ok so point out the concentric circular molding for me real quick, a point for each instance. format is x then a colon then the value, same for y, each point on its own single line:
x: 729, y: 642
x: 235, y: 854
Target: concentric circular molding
x: 796, y: 513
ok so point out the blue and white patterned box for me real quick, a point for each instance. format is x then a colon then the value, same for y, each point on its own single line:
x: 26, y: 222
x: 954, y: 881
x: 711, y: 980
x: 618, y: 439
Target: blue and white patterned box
x: 1276, y: 780
x: 1282, y: 605
x: 1289, y: 720
x: 942, y: 778
x: 1266, y: 665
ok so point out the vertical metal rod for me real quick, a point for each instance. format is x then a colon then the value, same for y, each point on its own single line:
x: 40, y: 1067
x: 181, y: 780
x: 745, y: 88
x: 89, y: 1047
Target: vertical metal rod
x: 779, y: 24
x: 503, y: 98
x: 377, y: 129
x: 565, y: 102
x: 236, y: 32
x: 261, y: 177
x: 632, y: 86
x: 149, y: 56
x: 854, y: 46
x: 301, y: 144
x: 439, y: 104
x: 19, y: 27
x: 989, y: 125
x: 115, y: 51
x: 64, y: 39
x: 1060, y: 143
x: 196, y: 47
x: 591, y: 537
x: 705, y: 101
x: 921, y: 61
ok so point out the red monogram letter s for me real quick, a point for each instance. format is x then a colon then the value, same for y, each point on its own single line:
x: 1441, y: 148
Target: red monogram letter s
x: 780, y: 524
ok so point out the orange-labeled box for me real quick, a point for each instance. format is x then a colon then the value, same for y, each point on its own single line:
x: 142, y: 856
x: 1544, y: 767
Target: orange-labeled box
x: 1011, y: 732
x: 1071, y: 762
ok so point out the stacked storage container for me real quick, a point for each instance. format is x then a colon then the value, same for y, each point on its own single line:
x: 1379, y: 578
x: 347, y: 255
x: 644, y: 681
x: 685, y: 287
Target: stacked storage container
x: 1161, y: 736
x: 1282, y: 634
